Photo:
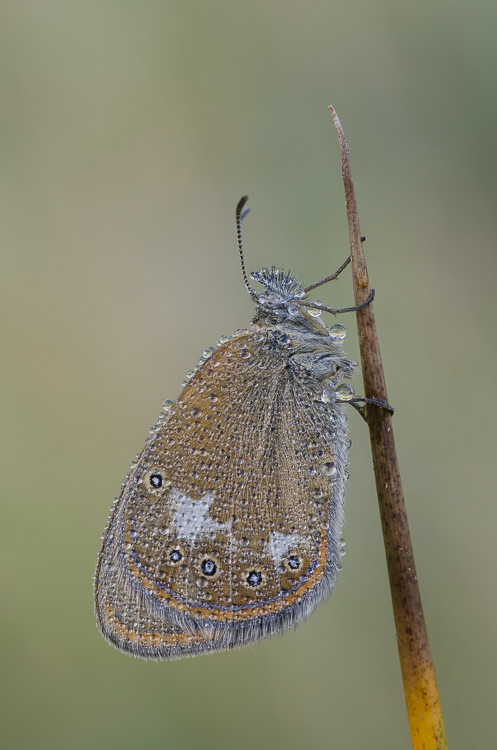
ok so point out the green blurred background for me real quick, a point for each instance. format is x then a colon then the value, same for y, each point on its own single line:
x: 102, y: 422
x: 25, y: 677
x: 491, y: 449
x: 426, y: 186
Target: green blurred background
x: 129, y: 130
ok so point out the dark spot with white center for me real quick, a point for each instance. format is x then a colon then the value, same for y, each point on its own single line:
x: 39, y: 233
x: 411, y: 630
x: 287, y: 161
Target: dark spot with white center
x: 208, y: 567
x: 156, y: 480
x: 254, y: 578
x: 175, y: 556
x: 293, y: 562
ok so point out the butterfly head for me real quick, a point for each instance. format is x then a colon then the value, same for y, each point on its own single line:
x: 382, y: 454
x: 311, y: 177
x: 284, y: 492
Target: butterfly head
x: 280, y: 289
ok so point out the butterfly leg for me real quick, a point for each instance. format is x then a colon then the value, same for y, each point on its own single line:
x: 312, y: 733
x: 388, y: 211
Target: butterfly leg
x: 339, y: 310
x: 379, y: 402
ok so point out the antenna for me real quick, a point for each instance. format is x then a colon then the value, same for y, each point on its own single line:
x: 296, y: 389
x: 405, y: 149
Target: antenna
x: 240, y: 215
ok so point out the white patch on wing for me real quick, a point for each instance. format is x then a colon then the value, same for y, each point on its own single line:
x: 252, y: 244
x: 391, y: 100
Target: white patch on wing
x: 191, y: 517
x: 281, y: 544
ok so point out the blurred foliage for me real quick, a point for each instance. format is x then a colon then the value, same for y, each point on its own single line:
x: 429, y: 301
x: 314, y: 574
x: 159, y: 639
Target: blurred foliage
x: 128, y: 132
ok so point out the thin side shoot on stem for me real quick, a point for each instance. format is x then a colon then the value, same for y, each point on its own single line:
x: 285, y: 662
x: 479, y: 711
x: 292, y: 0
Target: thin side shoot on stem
x: 418, y: 674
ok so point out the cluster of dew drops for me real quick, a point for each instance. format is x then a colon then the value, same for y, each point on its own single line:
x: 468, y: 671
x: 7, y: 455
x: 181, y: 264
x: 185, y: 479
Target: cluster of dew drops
x: 337, y: 331
x: 343, y: 392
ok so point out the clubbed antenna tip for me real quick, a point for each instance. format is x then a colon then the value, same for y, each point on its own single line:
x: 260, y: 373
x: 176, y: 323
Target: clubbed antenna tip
x: 241, y: 212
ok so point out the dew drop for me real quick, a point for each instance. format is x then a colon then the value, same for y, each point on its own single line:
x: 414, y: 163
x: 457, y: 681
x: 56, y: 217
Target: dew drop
x: 329, y: 469
x: 313, y: 312
x: 293, y: 311
x: 345, y: 392
x: 273, y: 299
x: 328, y: 396
x: 337, y: 331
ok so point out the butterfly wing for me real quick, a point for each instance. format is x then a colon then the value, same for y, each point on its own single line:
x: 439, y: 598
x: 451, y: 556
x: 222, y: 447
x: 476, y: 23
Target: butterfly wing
x: 228, y: 529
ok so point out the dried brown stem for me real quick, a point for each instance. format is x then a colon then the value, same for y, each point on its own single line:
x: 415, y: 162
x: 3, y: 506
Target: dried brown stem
x: 418, y: 674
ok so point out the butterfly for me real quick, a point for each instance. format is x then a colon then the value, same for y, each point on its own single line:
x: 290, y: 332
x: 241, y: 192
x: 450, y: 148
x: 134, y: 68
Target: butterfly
x: 228, y: 525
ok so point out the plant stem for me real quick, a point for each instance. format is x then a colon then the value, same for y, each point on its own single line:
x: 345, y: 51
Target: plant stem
x: 418, y: 674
